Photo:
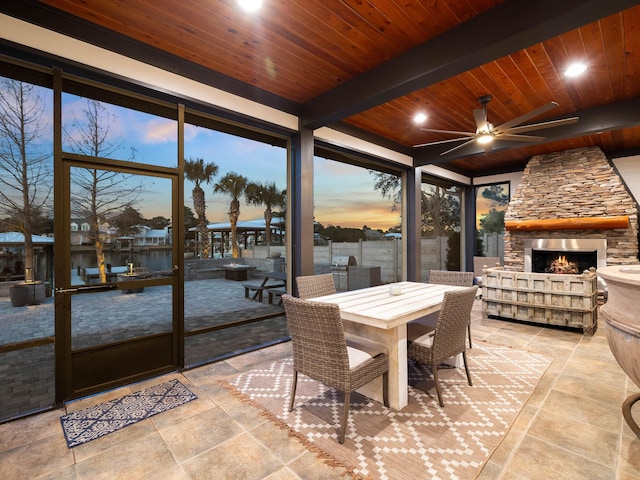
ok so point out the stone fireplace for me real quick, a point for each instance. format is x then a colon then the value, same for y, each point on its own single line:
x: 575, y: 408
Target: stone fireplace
x: 573, y: 202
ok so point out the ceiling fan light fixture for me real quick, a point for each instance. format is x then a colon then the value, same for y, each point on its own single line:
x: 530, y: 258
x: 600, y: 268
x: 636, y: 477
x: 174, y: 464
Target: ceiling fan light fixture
x: 575, y: 69
x: 485, y: 138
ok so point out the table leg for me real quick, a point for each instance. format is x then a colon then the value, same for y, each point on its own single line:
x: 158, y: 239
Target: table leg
x: 395, y: 339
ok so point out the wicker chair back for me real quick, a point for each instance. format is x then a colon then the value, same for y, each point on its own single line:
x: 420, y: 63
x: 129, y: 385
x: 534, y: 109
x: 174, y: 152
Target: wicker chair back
x: 458, y: 279
x: 311, y: 286
x: 320, y: 352
x: 449, y: 337
x: 445, y: 277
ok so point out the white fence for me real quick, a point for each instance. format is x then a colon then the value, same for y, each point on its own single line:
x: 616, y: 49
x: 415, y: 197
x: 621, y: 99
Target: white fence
x: 386, y: 254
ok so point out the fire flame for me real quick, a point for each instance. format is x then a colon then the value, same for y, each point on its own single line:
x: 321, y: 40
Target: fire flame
x: 562, y: 265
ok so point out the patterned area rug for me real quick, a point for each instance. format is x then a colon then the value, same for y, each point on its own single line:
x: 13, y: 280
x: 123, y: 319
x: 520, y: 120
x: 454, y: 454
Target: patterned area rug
x: 421, y: 441
x: 94, y: 422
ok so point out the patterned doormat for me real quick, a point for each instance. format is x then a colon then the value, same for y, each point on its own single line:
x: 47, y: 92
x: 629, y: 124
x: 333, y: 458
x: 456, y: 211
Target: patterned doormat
x: 420, y: 441
x: 94, y: 422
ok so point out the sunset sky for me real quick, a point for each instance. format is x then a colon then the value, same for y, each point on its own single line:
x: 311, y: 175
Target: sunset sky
x: 343, y: 194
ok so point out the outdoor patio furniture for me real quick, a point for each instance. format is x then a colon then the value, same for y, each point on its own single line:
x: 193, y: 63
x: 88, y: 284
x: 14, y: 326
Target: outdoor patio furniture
x: 376, y: 314
x: 92, y: 274
x: 237, y: 271
x: 479, y: 264
x: 459, y: 279
x: 433, y: 347
x: 275, y: 293
x: 258, y: 289
x: 320, y: 352
x: 310, y: 286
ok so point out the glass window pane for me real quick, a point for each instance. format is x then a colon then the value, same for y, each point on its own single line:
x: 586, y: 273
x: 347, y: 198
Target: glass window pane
x: 357, y: 213
x: 223, y: 167
x: 123, y: 315
x: 441, y: 227
x: 235, y: 201
x: 26, y: 249
x: 126, y: 225
x: 491, y: 205
x: 100, y: 129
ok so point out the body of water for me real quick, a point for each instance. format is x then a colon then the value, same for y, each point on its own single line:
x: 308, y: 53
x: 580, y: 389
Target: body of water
x: 153, y: 260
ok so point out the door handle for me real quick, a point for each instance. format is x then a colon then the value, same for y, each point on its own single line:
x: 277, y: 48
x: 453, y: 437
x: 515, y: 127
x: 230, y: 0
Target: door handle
x: 87, y: 289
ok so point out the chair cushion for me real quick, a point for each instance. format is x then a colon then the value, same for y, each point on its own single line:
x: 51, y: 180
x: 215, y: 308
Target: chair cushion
x: 369, y: 346
x: 357, y: 357
x: 416, y: 330
x: 425, y: 340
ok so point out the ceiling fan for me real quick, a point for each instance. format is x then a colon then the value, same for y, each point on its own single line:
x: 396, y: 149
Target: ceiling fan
x: 486, y: 133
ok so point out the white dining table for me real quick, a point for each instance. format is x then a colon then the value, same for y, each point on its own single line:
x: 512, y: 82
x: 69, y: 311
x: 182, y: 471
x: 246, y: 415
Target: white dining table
x: 376, y: 314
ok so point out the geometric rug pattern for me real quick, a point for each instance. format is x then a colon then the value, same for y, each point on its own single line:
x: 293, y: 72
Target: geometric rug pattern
x: 94, y: 422
x: 422, y: 440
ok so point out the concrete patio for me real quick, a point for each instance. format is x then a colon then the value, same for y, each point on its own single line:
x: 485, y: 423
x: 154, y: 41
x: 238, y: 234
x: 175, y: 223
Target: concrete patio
x: 27, y: 375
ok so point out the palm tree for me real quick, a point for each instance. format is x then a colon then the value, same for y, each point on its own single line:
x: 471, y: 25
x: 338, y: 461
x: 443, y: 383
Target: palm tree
x: 198, y: 172
x: 234, y: 185
x: 270, y: 196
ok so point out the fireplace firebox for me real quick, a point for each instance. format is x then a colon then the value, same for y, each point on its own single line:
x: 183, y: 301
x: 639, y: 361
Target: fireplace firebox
x: 566, y: 255
x: 544, y: 261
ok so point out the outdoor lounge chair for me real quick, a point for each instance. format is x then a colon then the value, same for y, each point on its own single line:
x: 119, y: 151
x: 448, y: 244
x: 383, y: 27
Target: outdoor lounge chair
x: 432, y: 347
x: 320, y: 352
x: 310, y: 286
x: 459, y: 279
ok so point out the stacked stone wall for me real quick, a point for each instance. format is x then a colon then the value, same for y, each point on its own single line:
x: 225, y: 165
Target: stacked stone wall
x: 572, y: 184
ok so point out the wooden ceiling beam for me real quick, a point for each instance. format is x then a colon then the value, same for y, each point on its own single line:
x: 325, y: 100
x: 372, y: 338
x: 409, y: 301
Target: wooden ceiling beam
x: 508, y: 27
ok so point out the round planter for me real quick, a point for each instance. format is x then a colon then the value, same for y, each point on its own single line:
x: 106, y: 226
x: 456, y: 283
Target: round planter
x: 31, y: 293
x: 622, y: 319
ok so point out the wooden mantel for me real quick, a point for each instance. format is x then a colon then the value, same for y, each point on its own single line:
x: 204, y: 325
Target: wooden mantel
x: 574, y: 223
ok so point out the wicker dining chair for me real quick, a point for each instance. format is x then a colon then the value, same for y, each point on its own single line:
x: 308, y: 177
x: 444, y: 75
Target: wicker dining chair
x: 311, y: 286
x: 320, y: 351
x: 448, y: 339
x: 459, y: 279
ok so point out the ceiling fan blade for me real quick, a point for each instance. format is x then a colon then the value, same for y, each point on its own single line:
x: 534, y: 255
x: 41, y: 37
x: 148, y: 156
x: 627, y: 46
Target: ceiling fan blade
x: 519, y: 138
x: 480, y: 117
x: 441, y: 141
x: 523, y: 118
x: 452, y: 132
x: 542, y: 125
x: 459, y: 146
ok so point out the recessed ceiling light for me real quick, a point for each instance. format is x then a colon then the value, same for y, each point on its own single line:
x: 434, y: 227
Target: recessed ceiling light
x: 420, y: 117
x: 575, y: 69
x: 250, y: 5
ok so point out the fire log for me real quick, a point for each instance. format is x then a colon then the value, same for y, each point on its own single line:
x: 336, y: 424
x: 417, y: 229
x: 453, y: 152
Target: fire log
x: 574, y: 223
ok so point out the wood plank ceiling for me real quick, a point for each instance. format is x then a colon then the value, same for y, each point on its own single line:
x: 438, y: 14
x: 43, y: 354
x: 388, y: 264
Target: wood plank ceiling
x: 366, y: 67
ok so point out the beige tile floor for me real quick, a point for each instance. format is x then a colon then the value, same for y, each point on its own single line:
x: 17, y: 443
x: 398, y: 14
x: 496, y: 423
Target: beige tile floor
x: 571, y: 428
